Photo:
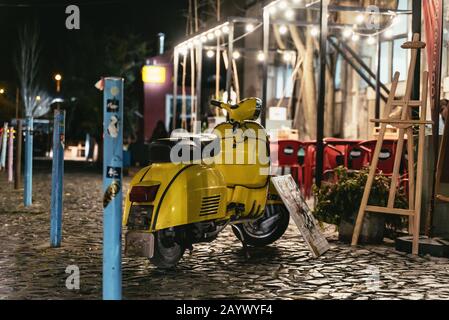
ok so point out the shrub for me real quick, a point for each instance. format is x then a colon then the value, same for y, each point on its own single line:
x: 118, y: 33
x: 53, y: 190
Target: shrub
x: 341, y: 199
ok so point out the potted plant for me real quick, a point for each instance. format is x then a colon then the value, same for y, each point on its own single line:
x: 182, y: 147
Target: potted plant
x: 338, y: 203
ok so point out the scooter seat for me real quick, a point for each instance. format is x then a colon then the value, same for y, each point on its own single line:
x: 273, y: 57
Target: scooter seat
x: 161, y: 151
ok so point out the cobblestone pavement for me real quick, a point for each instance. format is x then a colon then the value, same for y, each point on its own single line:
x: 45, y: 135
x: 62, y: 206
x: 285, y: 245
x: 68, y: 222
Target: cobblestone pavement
x: 29, y: 269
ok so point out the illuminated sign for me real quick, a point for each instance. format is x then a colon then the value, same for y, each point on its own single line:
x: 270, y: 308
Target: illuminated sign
x: 154, y: 74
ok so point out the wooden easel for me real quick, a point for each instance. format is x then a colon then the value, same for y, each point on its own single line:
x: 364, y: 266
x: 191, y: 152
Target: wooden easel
x: 405, y: 126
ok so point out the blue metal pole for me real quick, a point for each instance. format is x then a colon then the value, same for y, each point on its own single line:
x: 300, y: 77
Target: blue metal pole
x: 112, y: 187
x: 28, y: 176
x: 57, y: 183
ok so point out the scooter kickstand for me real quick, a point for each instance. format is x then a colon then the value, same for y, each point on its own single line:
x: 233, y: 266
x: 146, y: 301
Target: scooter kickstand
x: 245, y: 246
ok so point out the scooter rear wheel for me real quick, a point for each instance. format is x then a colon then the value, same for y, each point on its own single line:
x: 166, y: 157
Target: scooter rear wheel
x: 267, y: 229
x: 167, y: 253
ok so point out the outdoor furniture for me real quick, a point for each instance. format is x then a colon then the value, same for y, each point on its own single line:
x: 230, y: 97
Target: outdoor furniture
x: 291, y: 155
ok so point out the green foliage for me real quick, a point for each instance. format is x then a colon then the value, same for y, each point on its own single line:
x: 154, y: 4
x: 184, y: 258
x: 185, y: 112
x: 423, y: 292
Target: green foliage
x: 342, y: 199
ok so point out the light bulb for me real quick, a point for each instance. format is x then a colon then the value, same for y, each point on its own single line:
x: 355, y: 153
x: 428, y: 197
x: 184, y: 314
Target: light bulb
x: 360, y: 18
x: 288, y: 56
x: 236, y: 55
x: 396, y: 20
x: 210, y: 53
x: 249, y: 27
x: 261, y: 56
x: 225, y: 29
x: 371, y: 40
x: 289, y: 14
x: 314, y: 32
x: 355, y: 37
x: 283, y: 29
x: 347, y: 32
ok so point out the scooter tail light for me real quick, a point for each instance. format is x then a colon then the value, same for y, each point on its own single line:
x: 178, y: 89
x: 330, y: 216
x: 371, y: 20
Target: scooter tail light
x: 143, y: 193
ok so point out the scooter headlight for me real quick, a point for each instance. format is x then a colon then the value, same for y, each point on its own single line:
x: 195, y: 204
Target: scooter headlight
x: 143, y: 194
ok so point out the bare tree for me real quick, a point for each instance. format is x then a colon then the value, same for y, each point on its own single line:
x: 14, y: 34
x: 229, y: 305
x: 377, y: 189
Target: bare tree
x: 36, y: 102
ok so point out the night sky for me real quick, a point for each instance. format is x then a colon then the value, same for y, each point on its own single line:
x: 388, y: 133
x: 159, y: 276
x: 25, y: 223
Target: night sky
x: 143, y: 18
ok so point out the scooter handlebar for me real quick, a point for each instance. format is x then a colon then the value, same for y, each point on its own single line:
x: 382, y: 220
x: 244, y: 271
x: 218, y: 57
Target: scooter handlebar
x: 215, y: 103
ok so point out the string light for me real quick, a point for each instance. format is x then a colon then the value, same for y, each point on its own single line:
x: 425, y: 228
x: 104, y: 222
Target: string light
x: 283, y: 29
x: 355, y: 37
x: 261, y: 56
x: 289, y: 14
x: 360, y: 18
x: 389, y: 33
x: 273, y: 10
x: 218, y: 32
x: 288, y: 56
x: 210, y: 53
x: 314, y: 32
x: 236, y: 55
x: 347, y: 32
x: 396, y: 20
x: 371, y: 40
x: 210, y: 36
x: 249, y: 27
x: 203, y: 39
x: 225, y: 29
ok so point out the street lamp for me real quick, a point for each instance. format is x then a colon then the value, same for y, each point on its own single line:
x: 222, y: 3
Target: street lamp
x: 2, y: 91
x: 58, y: 79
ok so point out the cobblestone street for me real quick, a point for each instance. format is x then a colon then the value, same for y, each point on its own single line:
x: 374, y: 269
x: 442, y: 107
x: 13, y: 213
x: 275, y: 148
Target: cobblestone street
x: 29, y: 269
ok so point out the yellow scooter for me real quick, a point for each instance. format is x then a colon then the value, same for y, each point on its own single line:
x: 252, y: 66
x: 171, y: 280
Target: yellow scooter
x: 196, y: 186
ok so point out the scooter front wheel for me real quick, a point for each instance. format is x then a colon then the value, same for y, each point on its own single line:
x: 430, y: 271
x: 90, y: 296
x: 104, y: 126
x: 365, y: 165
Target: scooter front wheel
x: 266, y: 230
x: 167, y: 252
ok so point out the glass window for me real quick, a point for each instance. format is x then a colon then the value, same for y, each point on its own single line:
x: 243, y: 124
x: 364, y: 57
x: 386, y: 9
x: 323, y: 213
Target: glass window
x: 401, y: 27
x: 403, y: 4
x: 284, y: 86
x: 363, y: 84
x: 400, y: 58
x: 385, y: 65
x: 279, y: 82
x: 338, y: 72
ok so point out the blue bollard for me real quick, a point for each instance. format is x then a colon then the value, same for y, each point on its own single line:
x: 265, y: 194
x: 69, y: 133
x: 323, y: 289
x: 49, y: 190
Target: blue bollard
x: 28, y: 176
x: 57, y: 183
x: 112, y: 187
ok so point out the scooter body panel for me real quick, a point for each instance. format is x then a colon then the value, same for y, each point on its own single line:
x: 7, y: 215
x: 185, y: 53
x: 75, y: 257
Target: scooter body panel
x: 188, y: 193
x: 244, y: 161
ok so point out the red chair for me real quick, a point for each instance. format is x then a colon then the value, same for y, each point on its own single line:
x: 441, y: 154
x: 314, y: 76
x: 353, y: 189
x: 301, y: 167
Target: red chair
x: 309, y: 167
x: 386, y: 157
x: 290, y: 154
x: 343, y: 146
x: 362, y: 155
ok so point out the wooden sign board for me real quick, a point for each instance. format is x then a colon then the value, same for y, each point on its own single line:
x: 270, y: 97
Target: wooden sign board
x: 301, y: 214
x: 443, y: 165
